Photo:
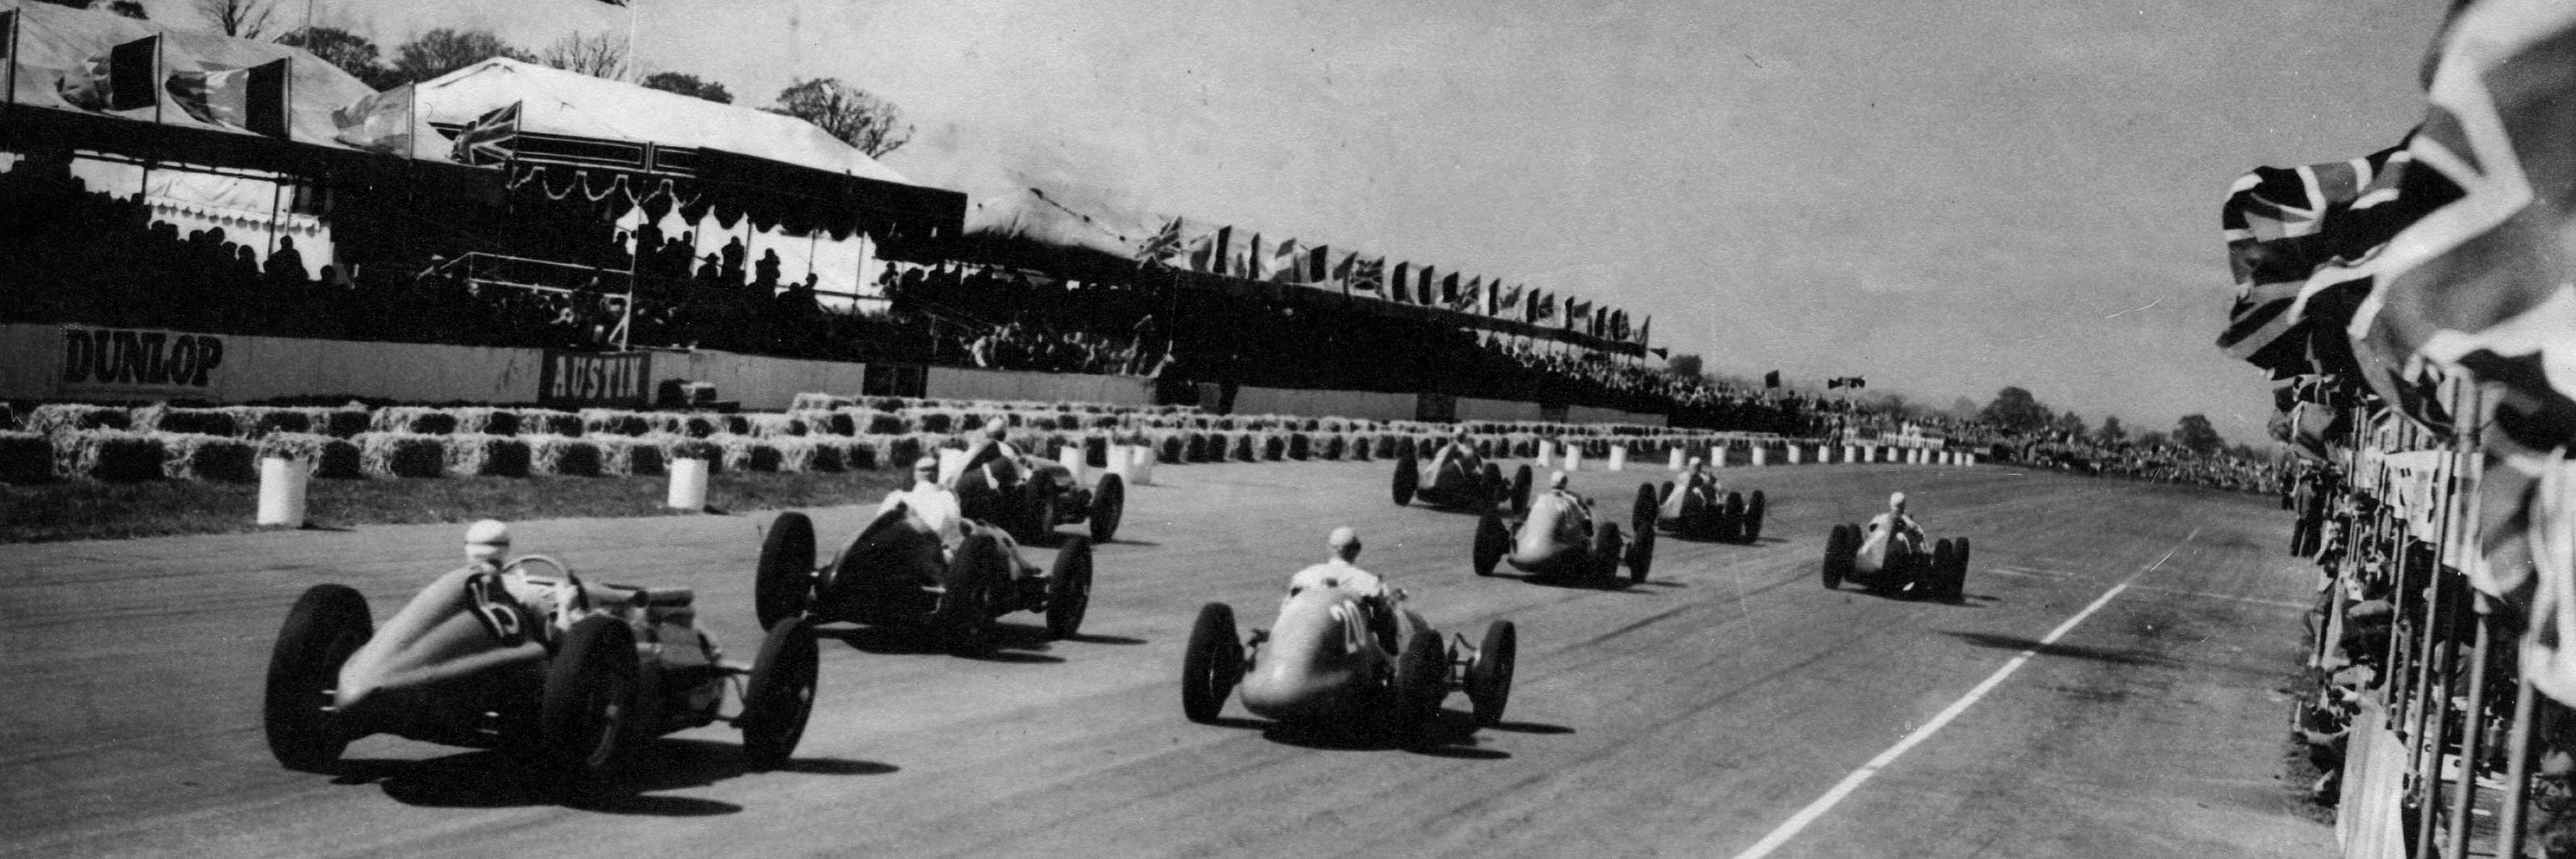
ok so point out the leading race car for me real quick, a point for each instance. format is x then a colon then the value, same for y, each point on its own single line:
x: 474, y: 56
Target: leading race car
x: 1559, y: 539
x: 1028, y: 496
x: 898, y: 570
x: 1888, y: 555
x: 1454, y: 477
x: 1701, y: 508
x: 522, y: 654
x: 1345, y: 654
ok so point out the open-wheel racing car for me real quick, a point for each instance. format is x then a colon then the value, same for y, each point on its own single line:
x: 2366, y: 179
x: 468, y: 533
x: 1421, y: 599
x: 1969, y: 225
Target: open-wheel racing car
x: 1558, y: 539
x: 1347, y: 661
x: 521, y: 654
x: 1892, y: 560
x: 1701, y: 508
x: 893, y: 573
x: 1029, y: 496
x: 1451, y: 480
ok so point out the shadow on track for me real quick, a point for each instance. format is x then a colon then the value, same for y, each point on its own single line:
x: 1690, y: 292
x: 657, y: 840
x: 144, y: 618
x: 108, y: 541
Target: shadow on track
x: 494, y: 779
x: 2073, y: 651
x: 1004, y: 642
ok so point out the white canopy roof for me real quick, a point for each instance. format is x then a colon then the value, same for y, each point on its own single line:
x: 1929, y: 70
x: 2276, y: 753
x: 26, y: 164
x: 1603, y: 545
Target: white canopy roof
x: 555, y: 101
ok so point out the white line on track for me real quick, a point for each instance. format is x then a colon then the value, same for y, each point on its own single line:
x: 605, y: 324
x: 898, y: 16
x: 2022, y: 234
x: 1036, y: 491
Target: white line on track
x: 2207, y: 595
x: 1808, y: 815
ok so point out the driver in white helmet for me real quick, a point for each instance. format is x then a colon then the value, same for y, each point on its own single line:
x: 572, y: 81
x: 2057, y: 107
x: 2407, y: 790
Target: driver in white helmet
x: 1376, y: 598
x: 538, y: 603
x: 1460, y: 450
x: 935, y: 505
x: 1895, y: 524
x: 1573, y: 513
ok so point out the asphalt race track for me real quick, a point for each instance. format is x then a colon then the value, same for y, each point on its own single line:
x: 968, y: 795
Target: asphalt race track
x: 1694, y: 715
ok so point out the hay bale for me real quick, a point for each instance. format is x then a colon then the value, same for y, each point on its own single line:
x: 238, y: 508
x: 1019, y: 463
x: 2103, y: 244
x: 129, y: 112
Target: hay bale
x: 414, y: 420
x: 109, y: 455
x: 901, y: 451
x: 1171, y: 447
x: 676, y: 446
x: 486, y: 455
x: 264, y: 421
x: 485, y: 420
x: 334, y: 458
x: 1300, y: 446
x: 830, y: 455
x: 597, y: 422
x: 817, y: 402
x: 395, y: 454
x: 1335, y: 447
x: 549, y: 422
x: 562, y: 456
x: 734, y: 424
x: 746, y: 453
x: 213, y: 458
x: 25, y: 457
x: 160, y: 417
x: 838, y: 422
x: 72, y: 417
x: 628, y: 456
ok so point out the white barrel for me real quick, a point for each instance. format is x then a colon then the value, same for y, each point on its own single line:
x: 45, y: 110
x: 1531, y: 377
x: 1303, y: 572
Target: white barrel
x: 1546, y: 453
x: 1573, y: 458
x: 1971, y: 458
x: 1761, y: 454
x: 1851, y: 454
x: 688, y: 485
x: 1794, y: 454
x: 1120, y: 460
x: 1676, y: 463
x: 1076, y: 459
x: 1618, y: 457
x: 281, y: 490
x: 1140, y: 465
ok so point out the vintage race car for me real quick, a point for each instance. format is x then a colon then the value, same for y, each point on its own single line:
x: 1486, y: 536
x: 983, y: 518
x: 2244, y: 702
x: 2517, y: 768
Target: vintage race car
x: 892, y: 573
x: 1453, y: 483
x: 1546, y: 544
x: 528, y: 657
x: 1875, y: 559
x: 1366, y: 666
x: 1700, y: 508
x: 1028, y: 496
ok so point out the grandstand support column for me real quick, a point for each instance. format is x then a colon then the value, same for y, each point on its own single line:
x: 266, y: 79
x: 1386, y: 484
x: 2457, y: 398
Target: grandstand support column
x: 2432, y: 696
x: 2464, y: 794
x: 2517, y: 772
x: 626, y: 319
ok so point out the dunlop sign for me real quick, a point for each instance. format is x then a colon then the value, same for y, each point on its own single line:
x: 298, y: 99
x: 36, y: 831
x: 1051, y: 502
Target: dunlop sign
x: 128, y: 361
x: 595, y: 379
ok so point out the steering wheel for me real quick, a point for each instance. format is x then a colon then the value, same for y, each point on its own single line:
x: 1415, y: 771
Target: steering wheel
x: 580, y: 595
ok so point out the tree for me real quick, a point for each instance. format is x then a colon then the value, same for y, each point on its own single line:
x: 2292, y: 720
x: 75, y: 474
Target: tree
x: 350, y: 51
x: 2111, y: 432
x: 2016, y: 410
x: 688, y: 85
x: 598, y: 55
x: 443, y: 50
x: 2195, y: 433
x: 859, y: 119
x: 2069, y: 423
x: 1962, y: 408
x: 2152, y: 440
x: 241, y: 19
x: 1685, y: 365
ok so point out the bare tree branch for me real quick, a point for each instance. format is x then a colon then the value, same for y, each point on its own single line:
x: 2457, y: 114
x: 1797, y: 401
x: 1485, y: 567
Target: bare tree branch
x: 598, y: 55
x: 858, y: 118
x: 242, y: 19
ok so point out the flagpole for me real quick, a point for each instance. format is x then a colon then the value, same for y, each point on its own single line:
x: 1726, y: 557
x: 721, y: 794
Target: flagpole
x: 634, y: 58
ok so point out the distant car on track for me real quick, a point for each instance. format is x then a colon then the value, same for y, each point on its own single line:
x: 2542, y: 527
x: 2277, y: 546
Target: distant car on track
x: 1558, y: 538
x: 522, y: 654
x: 892, y: 573
x: 1344, y: 656
x: 1029, y: 496
x: 1699, y: 507
x: 1453, y: 477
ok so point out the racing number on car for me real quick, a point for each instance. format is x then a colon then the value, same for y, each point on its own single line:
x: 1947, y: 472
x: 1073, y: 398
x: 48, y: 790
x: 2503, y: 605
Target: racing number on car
x: 494, y: 607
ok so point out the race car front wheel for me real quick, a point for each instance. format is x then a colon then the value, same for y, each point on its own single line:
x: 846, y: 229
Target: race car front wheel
x: 1212, y: 665
x: 1408, y: 477
x: 327, y: 624
x: 1489, y: 676
x: 783, y: 585
x: 965, y: 608
x: 1493, y: 541
x: 1421, y: 680
x: 1068, y: 590
x: 589, y: 698
x: 779, y: 696
x: 1108, y: 507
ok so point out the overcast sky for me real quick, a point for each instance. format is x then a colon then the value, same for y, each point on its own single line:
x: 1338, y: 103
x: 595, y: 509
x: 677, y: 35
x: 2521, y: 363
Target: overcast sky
x: 1942, y: 196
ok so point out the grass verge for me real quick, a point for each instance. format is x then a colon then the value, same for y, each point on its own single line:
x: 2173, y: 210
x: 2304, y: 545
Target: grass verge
x: 84, y: 509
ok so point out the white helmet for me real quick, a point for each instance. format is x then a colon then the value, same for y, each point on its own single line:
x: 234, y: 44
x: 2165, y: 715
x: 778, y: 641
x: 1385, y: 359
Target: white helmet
x: 487, y: 542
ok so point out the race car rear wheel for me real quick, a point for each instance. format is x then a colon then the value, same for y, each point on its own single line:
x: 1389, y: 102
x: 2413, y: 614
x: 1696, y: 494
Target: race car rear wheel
x: 588, y: 699
x: 1696, y: 520
x: 783, y: 585
x: 1750, y: 527
x: 1037, y: 510
x: 1212, y: 665
x: 965, y: 610
x: 1408, y: 477
x: 1959, y: 550
x: 1493, y: 541
x: 1641, y: 555
x: 1068, y: 591
x: 779, y: 696
x: 1642, y: 513
x: 1666, y: 494
x: 326, y: 624
x: 1606, y: 546
x: 1108, y: 507
x: 1521, y: 489
x: 1839, y: 545
x: 1421, y: 680
x: 1489, y: 676
x: 1932, y: 578
x: 1731, y: 520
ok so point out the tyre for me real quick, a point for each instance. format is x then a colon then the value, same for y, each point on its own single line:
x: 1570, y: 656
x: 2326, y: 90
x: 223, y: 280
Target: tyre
x: 325, y: 625
x: 1641, y: 513
x: 1606, y: 547
x: 1750, y: 527
x: 965, y: 607
x: 589, y: 697
x: 1408, y: 477
x: 1641, y: 555
x: 1495, y: 490
x: 1037, y: 512
x: 1108, y: 507
x: 1959, y: 550
x: 1212, y: 665
x: 779, y: 696
x: 1667, y: 494
x: 1421, y: 680
x: 1731, y: 522
x: 1489, y: 676
x: 1068, y: 590
x: 1696, y: 519
x: 1933, y: 579
x: 783, y: 585
x: 1521, y: 489
x: 1839, y: 545
x: 1493, y: 541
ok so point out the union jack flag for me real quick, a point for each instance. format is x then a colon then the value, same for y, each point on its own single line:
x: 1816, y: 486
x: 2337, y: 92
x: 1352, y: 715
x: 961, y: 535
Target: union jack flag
x: 1164, y: 244
x: 2292, y: 234
x: 492, y: 138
